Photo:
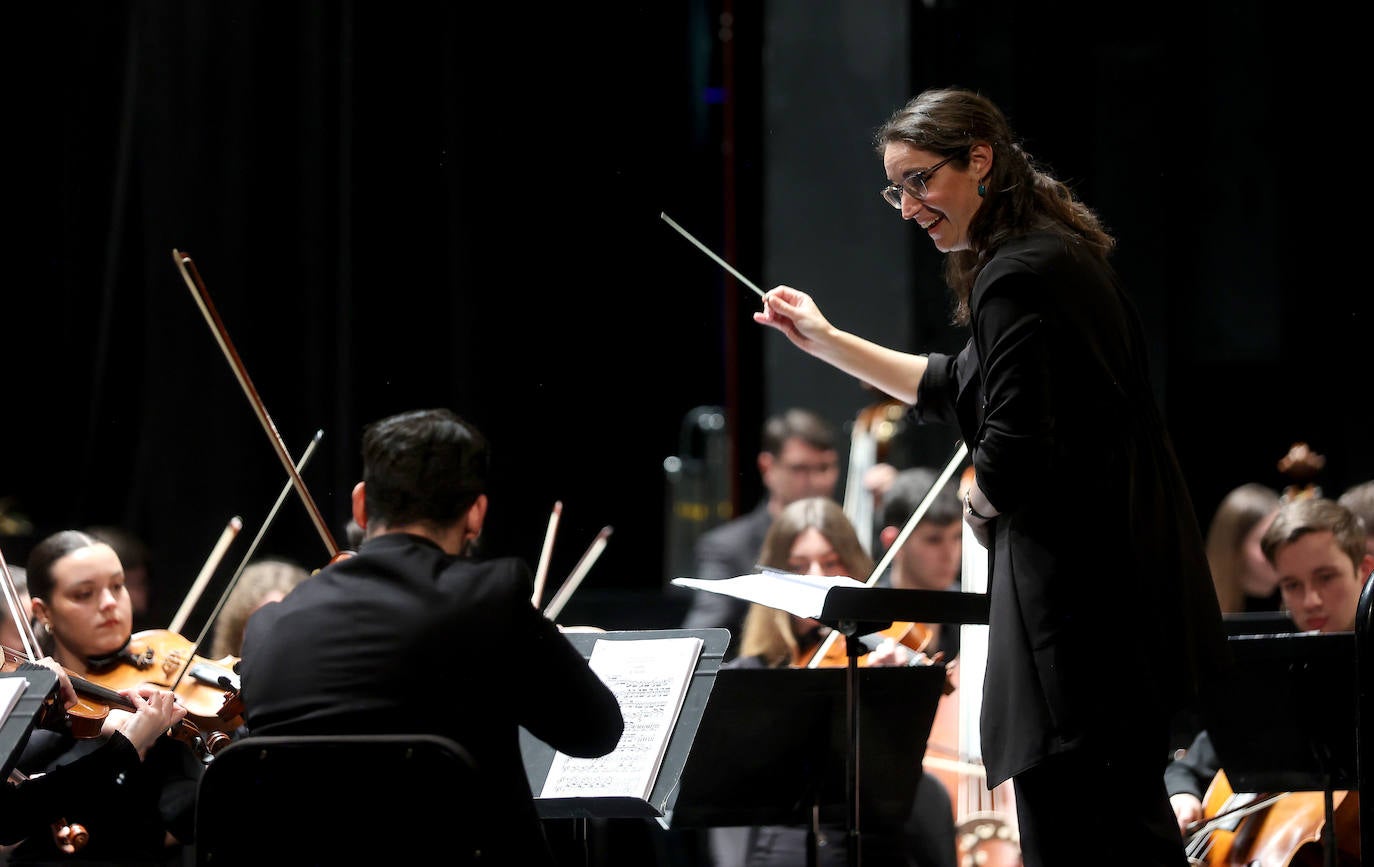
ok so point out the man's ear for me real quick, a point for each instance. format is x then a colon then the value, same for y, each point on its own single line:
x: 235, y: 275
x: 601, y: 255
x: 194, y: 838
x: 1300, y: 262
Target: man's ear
x: 477, y: 515
x: 360, y: 505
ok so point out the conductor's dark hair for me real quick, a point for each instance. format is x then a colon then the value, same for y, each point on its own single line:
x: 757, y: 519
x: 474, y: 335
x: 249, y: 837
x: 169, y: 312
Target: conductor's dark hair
x: 423, y: 466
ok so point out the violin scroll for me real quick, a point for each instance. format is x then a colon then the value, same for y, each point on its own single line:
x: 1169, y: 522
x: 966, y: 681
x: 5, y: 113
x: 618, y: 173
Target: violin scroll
x: 70, y: 837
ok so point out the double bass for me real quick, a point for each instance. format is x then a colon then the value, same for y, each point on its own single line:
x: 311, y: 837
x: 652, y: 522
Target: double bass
x: 985, y: 819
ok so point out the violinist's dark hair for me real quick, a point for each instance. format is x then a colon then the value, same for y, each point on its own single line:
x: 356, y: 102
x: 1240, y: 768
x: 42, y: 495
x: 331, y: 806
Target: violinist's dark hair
x: 423, y: 466
x: 1297, y: 518
x: 907, y: 491
x: 1020, y: 196
x: 48, y: 552
x: 797, y: 423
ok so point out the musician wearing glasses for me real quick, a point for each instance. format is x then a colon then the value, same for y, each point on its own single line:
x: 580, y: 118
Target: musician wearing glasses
x: 1095, y: 555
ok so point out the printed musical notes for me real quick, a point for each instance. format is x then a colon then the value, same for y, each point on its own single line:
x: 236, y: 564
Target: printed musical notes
x: 650, y: 678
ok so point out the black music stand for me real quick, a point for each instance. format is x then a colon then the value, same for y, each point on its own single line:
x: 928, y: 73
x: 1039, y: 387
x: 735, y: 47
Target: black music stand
x: 774, y: 748
x: 1285, y: 719
x: 539, y: 756
x: 19, y: 724
x: 1258, y: 623
x: 857, y: 611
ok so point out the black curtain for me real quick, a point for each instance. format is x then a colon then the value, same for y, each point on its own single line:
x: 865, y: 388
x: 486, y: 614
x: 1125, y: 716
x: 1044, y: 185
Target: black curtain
x: 392, y: 206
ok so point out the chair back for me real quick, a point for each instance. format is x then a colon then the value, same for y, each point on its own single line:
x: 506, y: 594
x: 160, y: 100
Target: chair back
x: 334, y: 799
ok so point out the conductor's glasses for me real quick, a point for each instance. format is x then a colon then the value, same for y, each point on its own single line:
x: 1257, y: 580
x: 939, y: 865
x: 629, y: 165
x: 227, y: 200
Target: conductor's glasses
x: 913, y: 185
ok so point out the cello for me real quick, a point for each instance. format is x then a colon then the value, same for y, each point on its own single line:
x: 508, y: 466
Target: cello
x: 1275, y: 829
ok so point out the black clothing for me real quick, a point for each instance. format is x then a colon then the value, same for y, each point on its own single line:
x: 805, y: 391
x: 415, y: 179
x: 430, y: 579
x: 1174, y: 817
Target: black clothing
x: 127, y: 806
x: 1120, y: 814
x: 727, y: 551
x: 1096, y: 543
x: 371, y: 644
x: 1194, y: 771
x: 1093, y: 545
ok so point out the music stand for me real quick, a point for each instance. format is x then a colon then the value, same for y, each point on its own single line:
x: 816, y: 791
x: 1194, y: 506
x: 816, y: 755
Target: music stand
x: 1257, y: 623
x: 539, y: 756
x: 859, y: 611
x: 20, y: 722
x: 1285, y: 719
x: 773, y: 748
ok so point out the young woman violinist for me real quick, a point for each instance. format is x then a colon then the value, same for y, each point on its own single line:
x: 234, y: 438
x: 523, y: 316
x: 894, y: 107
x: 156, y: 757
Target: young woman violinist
x: 77, y: 587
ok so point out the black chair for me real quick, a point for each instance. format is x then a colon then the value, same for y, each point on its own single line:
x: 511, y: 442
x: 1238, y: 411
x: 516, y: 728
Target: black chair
x: 338, y: 799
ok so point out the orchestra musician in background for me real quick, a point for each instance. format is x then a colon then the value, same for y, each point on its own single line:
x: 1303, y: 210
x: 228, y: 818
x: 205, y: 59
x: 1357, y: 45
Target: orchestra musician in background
x: 1244, y: 579
x: 1092, y: 537
x: 1317, y: 548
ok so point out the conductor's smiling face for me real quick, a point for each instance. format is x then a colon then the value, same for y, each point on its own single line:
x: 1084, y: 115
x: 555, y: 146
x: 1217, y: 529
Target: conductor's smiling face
x: 937, y: 192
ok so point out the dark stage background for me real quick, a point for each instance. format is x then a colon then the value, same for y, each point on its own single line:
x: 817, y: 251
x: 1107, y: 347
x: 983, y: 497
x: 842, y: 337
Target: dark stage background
x: 398, y: 205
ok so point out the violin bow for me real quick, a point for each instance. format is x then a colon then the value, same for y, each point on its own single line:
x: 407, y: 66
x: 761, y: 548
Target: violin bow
x: 231, y: 530
x: 247, y: 556
x: 959, y: 454
x: 21, y: 620
x: 579, y: 572
x: 542, y: 571
x: 191, y: 276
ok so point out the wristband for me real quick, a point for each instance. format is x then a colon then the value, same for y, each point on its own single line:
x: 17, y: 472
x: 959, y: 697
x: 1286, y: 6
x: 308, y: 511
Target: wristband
x: 968, y: 504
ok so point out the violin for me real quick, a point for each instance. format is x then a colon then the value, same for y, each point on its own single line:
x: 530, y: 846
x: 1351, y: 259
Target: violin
x: 207, y: 688
x: 87, y: 717
x: 83, y: 719
x: 1283, y: 829
x: 914, y: 636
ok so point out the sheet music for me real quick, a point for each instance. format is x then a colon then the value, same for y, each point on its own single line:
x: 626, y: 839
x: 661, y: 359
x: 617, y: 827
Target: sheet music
x: 649, y: 678
x: 802, y: 595
x: 11, y: 688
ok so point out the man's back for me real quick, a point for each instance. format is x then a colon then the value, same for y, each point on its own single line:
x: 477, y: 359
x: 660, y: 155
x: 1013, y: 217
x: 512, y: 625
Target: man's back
x: 404, y: 638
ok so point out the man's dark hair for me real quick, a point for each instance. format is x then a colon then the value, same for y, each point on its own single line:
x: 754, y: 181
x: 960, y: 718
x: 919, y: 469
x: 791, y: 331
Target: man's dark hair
x: 802, y: 424
x: 423, y: 466
x: 907, y: 491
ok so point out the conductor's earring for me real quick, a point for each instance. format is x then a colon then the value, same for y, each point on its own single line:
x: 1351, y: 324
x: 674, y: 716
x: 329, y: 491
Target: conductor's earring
x: 982, y: 189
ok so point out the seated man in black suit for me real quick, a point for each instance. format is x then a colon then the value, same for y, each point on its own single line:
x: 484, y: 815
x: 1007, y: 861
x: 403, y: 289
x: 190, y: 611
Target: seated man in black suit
x: 376, y: 642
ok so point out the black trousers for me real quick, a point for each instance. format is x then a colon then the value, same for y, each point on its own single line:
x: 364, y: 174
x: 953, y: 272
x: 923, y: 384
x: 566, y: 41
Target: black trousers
x: 1083, y: 807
